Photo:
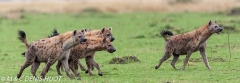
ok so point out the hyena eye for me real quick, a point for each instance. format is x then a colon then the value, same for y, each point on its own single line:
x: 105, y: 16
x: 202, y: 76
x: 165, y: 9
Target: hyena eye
x: 108, y: 34
x: 80, y: 36
x: 109, y: 45
x: 215, y: 26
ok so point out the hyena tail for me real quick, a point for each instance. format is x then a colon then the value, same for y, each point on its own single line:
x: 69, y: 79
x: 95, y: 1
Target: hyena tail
x: 164, y: 33
x: 22, y: 37
x: 54, y: 33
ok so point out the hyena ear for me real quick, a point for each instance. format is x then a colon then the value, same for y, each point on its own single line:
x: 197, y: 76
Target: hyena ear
x: 103, y: 29
x: 209, y: 23
x: 74, y: 32
x: 110, y: 29
x: 215, y: 21
x: 104, y: 40
x: 83, y: 31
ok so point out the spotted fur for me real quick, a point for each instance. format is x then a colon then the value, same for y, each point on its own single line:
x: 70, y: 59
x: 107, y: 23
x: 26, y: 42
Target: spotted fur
x: 87, y: 51
x: 104, y: 32
x: 188, y: 43
x: 49, y: 50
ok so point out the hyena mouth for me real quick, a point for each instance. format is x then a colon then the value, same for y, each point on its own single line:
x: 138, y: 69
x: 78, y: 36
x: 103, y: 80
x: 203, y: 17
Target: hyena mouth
x: 219, y: 31
x: 111, y: 50
x: 83, y: 41
x: 112, y: 39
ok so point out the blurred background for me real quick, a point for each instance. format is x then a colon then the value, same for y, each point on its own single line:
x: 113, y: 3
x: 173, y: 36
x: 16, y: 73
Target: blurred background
x: 12, y: 9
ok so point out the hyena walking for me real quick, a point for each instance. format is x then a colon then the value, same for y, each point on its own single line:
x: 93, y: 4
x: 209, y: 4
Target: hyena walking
x: 49, y: 50
x: 188, y: 43
x: 102, y: 33
x: 87, y: 51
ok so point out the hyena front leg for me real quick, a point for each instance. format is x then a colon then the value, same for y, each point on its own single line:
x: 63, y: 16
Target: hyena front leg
x: 186, y: 60
x: 73, y: 64
x: 66, y: 67
x: 47, y: 66
x: 89, y: 66
x: 59, y: 64
x: 95, y: 64
x: 203, y: 53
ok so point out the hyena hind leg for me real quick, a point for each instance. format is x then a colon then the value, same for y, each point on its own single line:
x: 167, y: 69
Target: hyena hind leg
x: 166, y: 56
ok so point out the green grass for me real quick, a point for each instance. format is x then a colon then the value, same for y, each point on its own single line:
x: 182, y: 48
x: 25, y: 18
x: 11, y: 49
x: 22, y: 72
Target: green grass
x: 149, y: 48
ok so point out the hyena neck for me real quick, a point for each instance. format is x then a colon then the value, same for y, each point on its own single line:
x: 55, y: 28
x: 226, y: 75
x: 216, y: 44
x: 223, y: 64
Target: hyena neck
x: 95, y: 44
x: 68, y: 44
x: 65, y: 36
x: 204, y: 34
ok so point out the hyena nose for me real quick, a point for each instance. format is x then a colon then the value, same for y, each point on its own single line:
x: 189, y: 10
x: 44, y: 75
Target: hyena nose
x: 84, y: 40
x: 112, y: 39
x: 114, y: 50
x: 220, y: 30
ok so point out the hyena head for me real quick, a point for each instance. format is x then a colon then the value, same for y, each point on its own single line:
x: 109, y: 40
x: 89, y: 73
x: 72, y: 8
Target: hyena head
x: 108, y: 45
x: 213, y: 27
x: 78, y: 36
x: 107, y: 33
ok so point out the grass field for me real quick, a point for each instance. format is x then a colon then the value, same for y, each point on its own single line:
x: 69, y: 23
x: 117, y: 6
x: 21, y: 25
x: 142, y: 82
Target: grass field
x: 137, y: 34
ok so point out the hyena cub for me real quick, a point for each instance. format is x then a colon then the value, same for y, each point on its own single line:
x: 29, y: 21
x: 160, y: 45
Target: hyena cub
x: 188, y: 43
x: 49, y: 50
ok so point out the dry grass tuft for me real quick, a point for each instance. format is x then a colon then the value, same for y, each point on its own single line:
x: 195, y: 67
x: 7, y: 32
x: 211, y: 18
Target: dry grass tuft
x: 124, y: 60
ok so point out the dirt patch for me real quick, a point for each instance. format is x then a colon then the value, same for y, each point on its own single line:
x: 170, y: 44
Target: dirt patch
x: 5, y: 54
x: 124, y: 60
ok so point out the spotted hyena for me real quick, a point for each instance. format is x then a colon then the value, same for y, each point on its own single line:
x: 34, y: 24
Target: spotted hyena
x: 188, y: 43
x: 104, y: 32
x: 87, y: 51
x: 49, y: 50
